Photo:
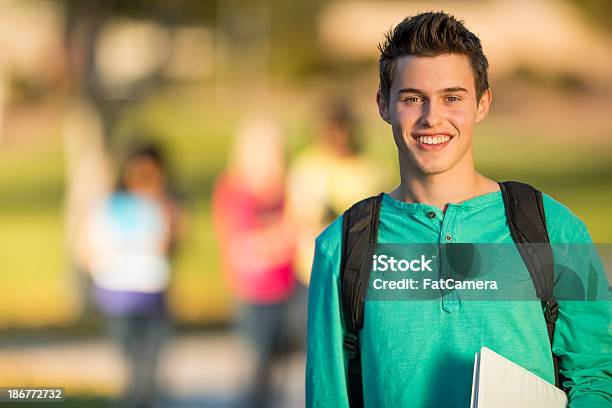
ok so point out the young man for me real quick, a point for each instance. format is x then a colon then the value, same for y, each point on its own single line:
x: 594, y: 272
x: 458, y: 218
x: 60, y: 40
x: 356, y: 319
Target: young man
x: 433, y: 90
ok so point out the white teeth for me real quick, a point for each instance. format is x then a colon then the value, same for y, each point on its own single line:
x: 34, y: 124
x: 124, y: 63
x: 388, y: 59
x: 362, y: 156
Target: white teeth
x: 432, y: 140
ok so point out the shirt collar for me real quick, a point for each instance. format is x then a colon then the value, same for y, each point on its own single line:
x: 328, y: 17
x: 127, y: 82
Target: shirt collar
x: 470, y: 203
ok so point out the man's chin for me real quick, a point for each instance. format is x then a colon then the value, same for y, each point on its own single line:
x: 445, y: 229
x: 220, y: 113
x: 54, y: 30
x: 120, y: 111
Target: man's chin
x: 431, y: 170
x: 427, y: 166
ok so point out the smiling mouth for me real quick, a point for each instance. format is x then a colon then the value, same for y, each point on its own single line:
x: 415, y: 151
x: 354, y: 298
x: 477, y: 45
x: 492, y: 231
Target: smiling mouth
x: 432, y: 140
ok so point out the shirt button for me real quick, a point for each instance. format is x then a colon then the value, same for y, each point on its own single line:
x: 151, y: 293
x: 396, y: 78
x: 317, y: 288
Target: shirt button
x: 448, y: 237
x: 431, y: 214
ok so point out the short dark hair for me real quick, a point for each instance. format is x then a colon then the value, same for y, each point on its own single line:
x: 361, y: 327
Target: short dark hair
x: 136, y: 151
x: 341, y: 115
x: 428, y: 35
x: 148, y: 150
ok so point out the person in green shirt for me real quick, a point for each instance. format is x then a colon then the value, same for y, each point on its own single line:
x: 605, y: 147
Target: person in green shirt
x: 433, y: 90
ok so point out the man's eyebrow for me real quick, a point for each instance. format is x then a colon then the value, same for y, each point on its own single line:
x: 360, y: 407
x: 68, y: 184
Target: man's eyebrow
x: 411, y: 90
x: 454, y: 89
x: 420, y: 92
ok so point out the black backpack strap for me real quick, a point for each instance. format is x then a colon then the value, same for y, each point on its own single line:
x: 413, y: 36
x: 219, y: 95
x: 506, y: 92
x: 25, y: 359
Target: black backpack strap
x: 359, y: 237
x: 527, y: 223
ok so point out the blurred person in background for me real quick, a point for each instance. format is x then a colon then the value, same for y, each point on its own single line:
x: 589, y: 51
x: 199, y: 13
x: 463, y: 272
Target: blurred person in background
x: 127, y: 244
x: 327, y: 177
x: 324, y: 179
x: 256, y: 248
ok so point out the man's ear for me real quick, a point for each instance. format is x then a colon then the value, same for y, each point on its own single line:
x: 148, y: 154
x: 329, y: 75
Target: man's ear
x: 383, y: 107
x: 484, y: 105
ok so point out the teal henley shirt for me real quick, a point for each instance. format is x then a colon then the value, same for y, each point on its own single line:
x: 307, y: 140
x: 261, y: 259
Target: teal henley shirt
x: 421, y: 353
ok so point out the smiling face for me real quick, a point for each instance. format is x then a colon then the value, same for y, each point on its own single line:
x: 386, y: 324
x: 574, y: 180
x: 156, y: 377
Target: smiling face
x: 432, y: 109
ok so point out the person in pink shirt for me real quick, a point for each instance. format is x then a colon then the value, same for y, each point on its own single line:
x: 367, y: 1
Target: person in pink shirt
x: 257, y: 247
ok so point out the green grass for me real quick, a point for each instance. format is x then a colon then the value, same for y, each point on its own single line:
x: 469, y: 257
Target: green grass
x: 35, y: 289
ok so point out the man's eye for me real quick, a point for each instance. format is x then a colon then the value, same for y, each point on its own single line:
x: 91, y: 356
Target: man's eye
x: 453, y: 98
x: 411, y: 99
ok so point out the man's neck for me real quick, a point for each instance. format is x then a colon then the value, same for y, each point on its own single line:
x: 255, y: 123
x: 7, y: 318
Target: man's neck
x: 453, y: 186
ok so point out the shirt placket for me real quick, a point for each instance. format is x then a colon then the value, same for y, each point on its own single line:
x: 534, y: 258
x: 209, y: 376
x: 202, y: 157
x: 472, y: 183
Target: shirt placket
x: 450, y: 297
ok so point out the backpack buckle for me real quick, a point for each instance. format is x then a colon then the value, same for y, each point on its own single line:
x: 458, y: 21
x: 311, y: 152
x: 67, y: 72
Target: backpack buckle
x: 351, y: 344
x: 551, y: 310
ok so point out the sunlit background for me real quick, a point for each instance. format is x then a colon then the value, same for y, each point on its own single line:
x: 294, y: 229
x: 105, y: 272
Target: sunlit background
x: 82, y: 80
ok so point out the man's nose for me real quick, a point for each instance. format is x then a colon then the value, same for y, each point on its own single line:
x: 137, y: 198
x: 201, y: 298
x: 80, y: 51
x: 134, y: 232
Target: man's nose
x: 430, y: 114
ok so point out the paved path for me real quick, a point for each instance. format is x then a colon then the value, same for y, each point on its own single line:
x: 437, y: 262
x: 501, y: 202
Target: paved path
x: 196, y: 370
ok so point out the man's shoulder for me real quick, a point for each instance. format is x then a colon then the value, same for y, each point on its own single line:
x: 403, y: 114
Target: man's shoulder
x: 329, y: 241
x: 328, y: 249
x: 563, y: 225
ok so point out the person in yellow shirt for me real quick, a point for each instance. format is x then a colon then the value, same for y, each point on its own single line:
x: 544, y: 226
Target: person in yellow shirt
x: 325, y: 179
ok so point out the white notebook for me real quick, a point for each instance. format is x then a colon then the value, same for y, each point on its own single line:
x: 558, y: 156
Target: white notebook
x: 500, y: 383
